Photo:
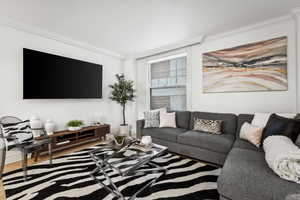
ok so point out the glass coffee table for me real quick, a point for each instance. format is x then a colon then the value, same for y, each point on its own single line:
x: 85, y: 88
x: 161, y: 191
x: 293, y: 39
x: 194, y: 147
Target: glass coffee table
x: 130, y: 160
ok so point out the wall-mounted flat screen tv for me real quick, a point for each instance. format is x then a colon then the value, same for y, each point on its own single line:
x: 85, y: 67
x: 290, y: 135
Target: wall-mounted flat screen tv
x: 48, y: 76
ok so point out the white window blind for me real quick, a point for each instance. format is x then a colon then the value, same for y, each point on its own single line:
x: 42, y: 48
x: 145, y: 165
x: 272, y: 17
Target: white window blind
x: 168, y: 84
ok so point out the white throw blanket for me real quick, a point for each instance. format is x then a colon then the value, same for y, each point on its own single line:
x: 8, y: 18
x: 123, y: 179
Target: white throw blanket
x: 283, y: 156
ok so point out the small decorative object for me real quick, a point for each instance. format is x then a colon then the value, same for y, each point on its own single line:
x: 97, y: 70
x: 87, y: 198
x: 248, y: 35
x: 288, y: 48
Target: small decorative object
x: 122, y: 93
x: 109, y: 138
x: 75, y: 125
x: 36, y: 126
x: 49, y: 127
x: 97, y: 124
x: 260, y: 66
x: 146, y: 140
x: 119, y: 140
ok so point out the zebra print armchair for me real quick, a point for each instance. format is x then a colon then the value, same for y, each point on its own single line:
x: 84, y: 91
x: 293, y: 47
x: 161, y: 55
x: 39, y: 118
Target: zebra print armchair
x: 5, y: 120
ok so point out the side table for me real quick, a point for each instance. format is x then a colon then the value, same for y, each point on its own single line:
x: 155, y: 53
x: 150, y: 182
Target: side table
x: 36, y: 145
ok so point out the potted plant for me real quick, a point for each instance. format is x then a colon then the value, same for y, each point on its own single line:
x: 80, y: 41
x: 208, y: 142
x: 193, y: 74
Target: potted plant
x: 75, y: 125
x: 122, y: 92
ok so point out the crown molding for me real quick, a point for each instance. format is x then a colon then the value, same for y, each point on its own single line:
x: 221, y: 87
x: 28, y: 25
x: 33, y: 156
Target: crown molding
x: 168, y: 48
x: 202, y: 38
x: 249, y: 27
x: 59, y: 38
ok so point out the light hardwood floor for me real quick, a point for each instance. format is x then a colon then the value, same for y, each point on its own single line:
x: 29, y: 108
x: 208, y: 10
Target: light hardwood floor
x: 16, y: 165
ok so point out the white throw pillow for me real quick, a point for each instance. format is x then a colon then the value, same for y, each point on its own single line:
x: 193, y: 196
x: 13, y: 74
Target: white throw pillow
x: 167, y: 120
x: 261, y: 119
x: 251, y: 133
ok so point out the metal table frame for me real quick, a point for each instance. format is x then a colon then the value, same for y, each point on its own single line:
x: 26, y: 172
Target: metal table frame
x: 33, y: 147
x: 103, y: 165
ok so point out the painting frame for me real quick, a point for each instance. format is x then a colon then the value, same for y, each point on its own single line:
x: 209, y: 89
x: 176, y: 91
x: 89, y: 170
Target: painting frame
x: 254, y: 67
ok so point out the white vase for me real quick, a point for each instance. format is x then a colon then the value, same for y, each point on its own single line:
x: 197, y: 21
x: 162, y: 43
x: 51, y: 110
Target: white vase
x: 36, y: 126
x: 74, y: 128
x: 49, y: 127
x: 35, y: 123
x: 124, y: 130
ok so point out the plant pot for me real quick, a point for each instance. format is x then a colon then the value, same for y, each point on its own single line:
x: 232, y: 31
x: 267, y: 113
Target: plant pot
x: 124, y: 129
x: 74, y: 128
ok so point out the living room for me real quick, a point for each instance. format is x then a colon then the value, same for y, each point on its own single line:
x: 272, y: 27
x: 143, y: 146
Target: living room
x: 209, y: 99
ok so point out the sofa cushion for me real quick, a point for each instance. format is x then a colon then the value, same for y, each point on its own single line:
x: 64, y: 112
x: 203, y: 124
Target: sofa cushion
x: 246, y: 175
x: 229, y: 120
x: 243, y: 144
x: 168, y: 134
x: 183, y: 119
x: 217, y: 143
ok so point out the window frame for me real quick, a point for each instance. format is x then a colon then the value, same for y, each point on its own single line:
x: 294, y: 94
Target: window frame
x: 165, y: 58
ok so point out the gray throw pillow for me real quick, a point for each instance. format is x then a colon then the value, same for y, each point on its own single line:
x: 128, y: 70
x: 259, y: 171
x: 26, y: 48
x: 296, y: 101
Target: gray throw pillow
x: 208, y: 126
x: 151, y: 119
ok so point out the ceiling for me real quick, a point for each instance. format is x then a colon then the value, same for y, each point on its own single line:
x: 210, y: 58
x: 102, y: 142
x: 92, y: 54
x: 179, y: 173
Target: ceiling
x: 135, y: 26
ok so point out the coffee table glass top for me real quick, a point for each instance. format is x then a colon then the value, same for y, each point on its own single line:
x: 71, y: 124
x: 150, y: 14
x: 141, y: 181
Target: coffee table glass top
x: 128, y: 159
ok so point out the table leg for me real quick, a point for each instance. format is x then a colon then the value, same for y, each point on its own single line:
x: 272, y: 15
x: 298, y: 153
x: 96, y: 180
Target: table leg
x: 24, y: 163
x: 155, y: 169
x: 50, y: 152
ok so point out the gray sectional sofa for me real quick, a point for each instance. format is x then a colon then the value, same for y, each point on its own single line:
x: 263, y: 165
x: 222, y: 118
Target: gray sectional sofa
x: 183, y: 140
x: 245, y: 174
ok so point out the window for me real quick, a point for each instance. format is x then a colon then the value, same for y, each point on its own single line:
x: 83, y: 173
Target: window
x: 168, y: 84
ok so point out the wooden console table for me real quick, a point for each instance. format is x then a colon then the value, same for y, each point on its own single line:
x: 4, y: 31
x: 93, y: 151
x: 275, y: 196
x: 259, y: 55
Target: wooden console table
x: 64, y: 139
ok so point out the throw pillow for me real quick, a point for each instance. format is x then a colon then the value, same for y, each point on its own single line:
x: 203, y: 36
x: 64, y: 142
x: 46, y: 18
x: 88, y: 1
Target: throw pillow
x: 152, y: 118
x: 209, y: 126
x: 251, y: 133
x: 14, y: 128
x: 261, y: 119
x: 17, y: 132
x: 278, y: 125
x: 167, y: 120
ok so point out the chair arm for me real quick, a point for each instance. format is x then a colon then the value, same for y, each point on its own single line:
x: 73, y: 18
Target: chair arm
x: 2, y: 155
x: 139, y: 127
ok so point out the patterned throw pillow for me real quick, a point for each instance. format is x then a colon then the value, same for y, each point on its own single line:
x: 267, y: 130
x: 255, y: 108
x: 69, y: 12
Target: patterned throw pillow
x: 20, y: 131
x: 209, y: 126
x: 151, y: 119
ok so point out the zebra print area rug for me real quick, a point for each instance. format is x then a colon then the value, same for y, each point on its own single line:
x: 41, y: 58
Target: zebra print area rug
x: 69, y: 179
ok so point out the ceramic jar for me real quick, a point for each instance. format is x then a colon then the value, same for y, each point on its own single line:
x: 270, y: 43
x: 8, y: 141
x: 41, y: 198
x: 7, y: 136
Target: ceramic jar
x: 36, y: 126
x: 49, y: 127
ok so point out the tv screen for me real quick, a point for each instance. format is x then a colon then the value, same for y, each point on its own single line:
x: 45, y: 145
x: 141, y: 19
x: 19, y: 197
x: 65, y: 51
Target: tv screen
x: 48, y: 76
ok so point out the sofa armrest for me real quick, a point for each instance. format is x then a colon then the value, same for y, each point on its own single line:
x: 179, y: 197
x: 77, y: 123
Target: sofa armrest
x: 139, y: 126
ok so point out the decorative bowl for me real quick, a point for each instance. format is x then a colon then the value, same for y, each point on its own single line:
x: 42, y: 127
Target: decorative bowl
x: 74, y: 128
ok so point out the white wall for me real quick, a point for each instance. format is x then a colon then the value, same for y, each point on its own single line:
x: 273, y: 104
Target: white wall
x: 60, y: 111
x: 130, y: 73
x: 246, y: 102
x: 239, y: 102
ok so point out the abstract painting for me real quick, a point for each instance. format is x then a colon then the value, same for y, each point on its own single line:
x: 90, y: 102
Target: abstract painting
x: 260, y: 66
